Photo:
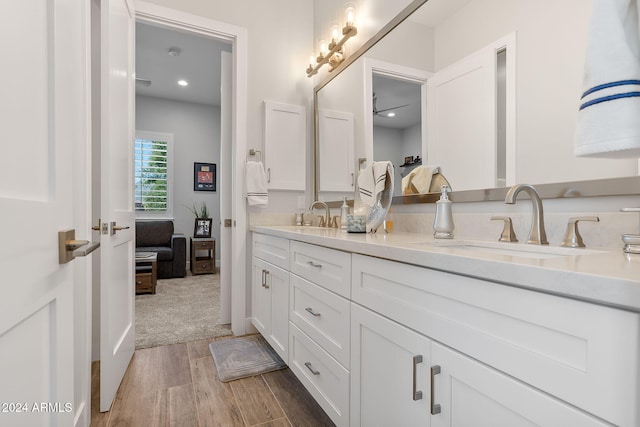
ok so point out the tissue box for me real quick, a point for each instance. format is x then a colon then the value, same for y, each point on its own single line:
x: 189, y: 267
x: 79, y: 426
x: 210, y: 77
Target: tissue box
x: 356, y: 223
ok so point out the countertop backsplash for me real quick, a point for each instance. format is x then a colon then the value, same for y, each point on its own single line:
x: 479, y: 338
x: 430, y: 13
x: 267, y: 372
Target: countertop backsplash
x: 473, y: 220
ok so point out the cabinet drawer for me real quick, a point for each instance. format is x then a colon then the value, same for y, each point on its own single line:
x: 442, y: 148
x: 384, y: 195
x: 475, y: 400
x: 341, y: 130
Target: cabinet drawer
x: 582, y: 353
x: 323, y: 377
x: 202, y: 245
x: 326, y: 267
x: 144, y: 282
x: 271, y: 249
x: 204, y: 266
x: 322, y: 315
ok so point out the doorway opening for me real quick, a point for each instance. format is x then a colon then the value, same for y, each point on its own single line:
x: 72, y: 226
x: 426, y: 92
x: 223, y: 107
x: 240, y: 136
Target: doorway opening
x: 179, y: 79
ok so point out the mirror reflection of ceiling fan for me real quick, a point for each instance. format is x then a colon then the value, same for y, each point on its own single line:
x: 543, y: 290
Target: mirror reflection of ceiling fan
x: 377, y: 112
x: 143, y: 82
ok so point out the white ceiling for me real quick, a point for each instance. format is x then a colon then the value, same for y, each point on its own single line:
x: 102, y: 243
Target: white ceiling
x: 390, y: 93
x: 198, y: 64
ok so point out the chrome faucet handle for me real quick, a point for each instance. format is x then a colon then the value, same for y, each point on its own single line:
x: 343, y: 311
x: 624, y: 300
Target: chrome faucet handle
x: 572, y: 237
x: 508, y: 235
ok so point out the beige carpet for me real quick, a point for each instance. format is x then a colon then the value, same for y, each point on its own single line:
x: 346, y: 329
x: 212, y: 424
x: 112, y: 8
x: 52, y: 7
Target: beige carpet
x: 181, y: 310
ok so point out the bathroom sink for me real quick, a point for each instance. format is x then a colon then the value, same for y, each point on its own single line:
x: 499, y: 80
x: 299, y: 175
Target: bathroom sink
x: 511, y: 249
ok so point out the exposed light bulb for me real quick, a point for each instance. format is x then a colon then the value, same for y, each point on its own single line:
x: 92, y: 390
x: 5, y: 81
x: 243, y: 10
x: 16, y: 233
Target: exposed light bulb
x: 183, y: 83
x: 323, y: 47
x: 335, y: 33
x: 350, y: 14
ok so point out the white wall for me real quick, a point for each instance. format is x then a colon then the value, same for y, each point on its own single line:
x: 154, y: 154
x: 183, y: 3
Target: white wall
x: 196, y: 138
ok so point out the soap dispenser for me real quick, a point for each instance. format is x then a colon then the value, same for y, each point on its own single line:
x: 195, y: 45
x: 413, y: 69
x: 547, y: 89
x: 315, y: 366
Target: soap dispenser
x: 344, y: 211
x: 443, y: 222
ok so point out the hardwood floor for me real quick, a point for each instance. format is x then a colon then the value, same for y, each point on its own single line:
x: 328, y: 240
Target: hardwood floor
x: 177, y: 385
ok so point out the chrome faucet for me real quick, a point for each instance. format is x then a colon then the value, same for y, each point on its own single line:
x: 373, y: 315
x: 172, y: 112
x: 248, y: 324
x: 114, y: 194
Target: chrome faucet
x: 537, y: 235
x: 324, y: 222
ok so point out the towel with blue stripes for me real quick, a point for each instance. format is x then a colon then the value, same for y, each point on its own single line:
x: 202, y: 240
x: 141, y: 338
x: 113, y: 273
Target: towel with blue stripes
x: 609, y: 110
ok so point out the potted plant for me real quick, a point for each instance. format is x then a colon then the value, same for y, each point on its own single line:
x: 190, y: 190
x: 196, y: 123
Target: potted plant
x: 202, y: 227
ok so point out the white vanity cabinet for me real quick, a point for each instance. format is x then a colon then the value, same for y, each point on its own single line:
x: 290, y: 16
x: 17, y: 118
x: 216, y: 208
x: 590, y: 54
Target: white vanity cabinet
x: 379, y: 342
x: 390, y: 372
x: 494, y: 342
x: 319, y: 312
x: 270, y: 291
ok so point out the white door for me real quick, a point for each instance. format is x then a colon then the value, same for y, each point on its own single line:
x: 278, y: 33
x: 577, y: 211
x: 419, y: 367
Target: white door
x: 462, y: 115
x: 117, y: 314
x: 43, y: 189
x: 390, y: 377
x: 226, y: 176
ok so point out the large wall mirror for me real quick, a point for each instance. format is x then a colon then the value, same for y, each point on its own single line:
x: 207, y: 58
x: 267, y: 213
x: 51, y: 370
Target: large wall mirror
x: 509, y: 117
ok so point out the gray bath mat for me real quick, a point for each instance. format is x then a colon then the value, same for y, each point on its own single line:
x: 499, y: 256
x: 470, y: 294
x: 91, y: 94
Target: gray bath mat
x: 243, y: 357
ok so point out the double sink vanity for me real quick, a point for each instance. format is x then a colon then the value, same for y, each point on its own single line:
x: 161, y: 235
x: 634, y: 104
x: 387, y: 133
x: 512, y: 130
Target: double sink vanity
x: 400, y: 329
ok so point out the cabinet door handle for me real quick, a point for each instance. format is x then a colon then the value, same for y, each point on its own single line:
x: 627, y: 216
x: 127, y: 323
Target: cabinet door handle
x: 266, y: 278
x: 435, y: 407
x: 310, y: 310
x: 310, y: 368
x: 313, y: 264
x: 417, y: 394
x: 262, y: 281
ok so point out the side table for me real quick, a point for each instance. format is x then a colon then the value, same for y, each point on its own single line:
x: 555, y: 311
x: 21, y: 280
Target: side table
x: 203, y: 255
x: 146, y: 272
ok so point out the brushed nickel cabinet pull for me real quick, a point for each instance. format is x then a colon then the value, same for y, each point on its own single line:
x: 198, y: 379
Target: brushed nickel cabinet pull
x: 310, y: 368
x: 310, y: 310
x: 417, y: 394
x: 266, y: 278
x: 435, y: 408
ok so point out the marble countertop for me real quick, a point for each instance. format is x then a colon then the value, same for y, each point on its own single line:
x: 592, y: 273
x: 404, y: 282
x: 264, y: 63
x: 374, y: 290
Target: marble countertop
x: 604, y: 276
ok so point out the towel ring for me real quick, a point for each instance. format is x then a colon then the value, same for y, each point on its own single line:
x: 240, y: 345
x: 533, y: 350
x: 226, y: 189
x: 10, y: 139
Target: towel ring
x: 254, y: 152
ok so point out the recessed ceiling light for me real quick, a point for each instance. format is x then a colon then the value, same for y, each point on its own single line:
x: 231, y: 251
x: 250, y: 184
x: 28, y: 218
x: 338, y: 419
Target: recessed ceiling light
x: 174, y: 51
x: 391, y: 114
x: 183, y: 83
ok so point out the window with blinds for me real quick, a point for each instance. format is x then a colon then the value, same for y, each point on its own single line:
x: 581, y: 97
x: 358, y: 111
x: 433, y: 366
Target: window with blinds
x: 152, y: 173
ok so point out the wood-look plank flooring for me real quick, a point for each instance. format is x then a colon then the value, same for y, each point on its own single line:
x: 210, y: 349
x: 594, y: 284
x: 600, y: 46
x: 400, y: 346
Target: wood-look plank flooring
x: 177, y: 385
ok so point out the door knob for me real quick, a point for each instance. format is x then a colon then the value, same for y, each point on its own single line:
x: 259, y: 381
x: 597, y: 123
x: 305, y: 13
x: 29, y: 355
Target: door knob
x: 115, y: 228
x: 69, y: 247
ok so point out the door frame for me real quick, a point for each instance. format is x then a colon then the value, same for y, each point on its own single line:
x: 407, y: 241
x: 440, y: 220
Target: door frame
x: 237, y: 37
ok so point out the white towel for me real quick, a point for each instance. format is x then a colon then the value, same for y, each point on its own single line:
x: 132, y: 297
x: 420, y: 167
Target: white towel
x: 609, y: 117
x: 418, y: 181
x: 372, y: 180
x: 256, y: 182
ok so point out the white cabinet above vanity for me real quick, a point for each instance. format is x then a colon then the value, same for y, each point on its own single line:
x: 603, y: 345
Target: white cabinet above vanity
x: 386, y: 330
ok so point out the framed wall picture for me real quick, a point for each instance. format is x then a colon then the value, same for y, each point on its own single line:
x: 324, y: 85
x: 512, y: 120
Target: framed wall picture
x: 204, y: 177
x: 202, y: 227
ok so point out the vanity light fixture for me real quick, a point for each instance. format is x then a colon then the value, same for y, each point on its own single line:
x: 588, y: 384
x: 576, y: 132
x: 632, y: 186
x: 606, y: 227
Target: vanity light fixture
x: 333, y: 54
